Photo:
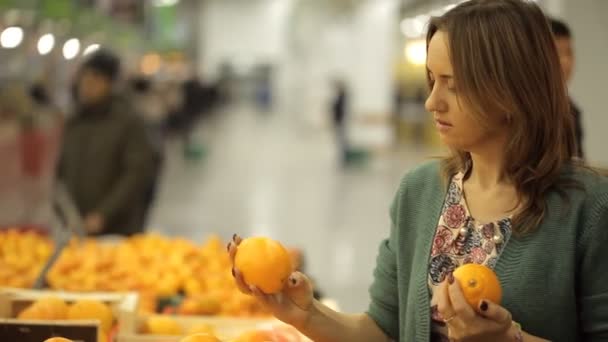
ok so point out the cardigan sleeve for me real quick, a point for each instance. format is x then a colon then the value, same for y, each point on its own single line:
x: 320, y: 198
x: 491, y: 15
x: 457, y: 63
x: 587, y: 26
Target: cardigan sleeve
x: 593, y: 275
x: 384, y: 306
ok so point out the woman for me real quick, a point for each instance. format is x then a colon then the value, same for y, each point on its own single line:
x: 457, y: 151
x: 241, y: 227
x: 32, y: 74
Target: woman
x: 509, y: 197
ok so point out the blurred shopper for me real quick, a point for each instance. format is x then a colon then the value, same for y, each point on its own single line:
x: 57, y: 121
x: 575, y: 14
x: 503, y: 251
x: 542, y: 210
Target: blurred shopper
x: 565, y: 48
x: 339, y: 110
x: 106, y: 160
x: 46, y: 109
x: 194, y: 105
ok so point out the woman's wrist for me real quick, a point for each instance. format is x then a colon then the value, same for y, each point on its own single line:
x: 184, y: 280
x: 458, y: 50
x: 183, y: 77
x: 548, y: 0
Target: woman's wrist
x: 519, y: 335
x: 314, y: 313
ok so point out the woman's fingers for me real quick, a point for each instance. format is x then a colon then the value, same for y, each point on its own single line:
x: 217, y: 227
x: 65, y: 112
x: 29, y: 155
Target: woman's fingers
x: 494, y: 312
x: 240, y: 282
x: 461, y: 307
x: 232, y: 246
x: 444, y: 306
x: 262, y: 297
x: 299, y: 290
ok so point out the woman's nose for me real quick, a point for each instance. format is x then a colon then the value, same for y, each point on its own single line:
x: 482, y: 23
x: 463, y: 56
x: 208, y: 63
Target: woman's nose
x: 434, y: 103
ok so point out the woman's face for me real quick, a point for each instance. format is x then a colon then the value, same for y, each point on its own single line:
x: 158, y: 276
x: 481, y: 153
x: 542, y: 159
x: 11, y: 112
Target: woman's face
x: 453, y: 119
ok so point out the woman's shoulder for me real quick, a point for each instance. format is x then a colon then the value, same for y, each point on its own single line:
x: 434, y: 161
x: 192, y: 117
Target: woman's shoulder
x: 423, y: 175
x: 422, y: 185
x: 589, y: 184
x: 587, y: 195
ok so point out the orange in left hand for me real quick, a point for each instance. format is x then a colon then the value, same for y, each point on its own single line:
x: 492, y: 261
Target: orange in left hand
x: 478, y: 282
x: 264, y: 263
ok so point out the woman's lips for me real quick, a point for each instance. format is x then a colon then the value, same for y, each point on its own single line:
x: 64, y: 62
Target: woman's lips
x: 442, y: 125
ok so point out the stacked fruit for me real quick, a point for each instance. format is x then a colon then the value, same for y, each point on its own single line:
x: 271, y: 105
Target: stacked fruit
x: 156, y: 267
x: 163, y: 325
x: 167, y: 325
x: 22, y: 256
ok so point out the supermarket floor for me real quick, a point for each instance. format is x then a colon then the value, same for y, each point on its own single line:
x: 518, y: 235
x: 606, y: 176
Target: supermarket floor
x: 268, y: 174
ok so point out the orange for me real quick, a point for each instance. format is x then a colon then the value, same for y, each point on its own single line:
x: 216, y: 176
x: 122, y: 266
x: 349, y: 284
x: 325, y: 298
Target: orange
x: 101, y: 336
x: 200, y: 338
x: 162, y: 325
x: 57, y: 339
x: 55, y: 308
x: 201, y: 329
x: 255, y: 336
x: 92, y: 309
x: 478, y: 282
x: 189, y: 307
x: 264, y: 263
x: 208, y: 304
x: 31, y: 312
x: 49, y: 308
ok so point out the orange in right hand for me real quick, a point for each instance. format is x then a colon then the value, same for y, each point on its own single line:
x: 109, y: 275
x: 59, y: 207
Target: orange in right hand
x: 478, y: 282
x: 264, y: 263
x: 57, y: 339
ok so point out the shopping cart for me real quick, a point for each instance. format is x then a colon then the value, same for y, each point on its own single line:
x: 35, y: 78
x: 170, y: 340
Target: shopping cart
x: 68, y: 224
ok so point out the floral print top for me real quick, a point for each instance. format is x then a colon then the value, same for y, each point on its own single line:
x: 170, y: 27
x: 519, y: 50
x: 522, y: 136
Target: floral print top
x: 459, y: 240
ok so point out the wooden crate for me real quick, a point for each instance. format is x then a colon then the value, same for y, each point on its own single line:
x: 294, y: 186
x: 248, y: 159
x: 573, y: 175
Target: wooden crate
x: 226, y: 328
x: 38, y: 331
x: 13, y: 301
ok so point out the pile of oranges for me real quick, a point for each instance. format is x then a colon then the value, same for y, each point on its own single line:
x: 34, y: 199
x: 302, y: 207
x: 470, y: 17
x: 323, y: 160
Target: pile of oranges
x: 163, y: 325
x: 200, y: 338
x: 22, y: 256
x: 172, y: 266
x: 168, y: 326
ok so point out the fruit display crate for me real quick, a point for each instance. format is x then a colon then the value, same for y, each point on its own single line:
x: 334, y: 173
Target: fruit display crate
x: 38, y: 331
x: 12, y: 301
x: 225, y: 328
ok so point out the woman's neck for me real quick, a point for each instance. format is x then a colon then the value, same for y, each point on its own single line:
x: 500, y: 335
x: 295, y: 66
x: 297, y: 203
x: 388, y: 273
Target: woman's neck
x: 487, y: 167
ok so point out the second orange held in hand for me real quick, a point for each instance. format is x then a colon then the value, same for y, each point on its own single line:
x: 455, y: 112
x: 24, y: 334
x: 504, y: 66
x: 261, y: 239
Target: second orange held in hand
x: 478, y: 282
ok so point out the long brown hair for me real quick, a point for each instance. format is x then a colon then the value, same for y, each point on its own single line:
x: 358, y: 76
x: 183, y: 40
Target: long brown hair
x: 507, y: 69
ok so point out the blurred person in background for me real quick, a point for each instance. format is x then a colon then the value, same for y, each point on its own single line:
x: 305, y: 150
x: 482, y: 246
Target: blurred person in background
x: 565, y: 48
x: 45, y: 105
x: 339, y: 108
x: 40, y: 95
x: 106, y: 159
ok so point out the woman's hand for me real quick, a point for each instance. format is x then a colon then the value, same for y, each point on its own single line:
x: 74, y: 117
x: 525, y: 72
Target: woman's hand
x: 293, y: 305
x: 465, y: 324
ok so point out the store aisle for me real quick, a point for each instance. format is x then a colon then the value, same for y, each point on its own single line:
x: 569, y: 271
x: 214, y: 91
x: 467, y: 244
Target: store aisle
x: 266, y: 174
